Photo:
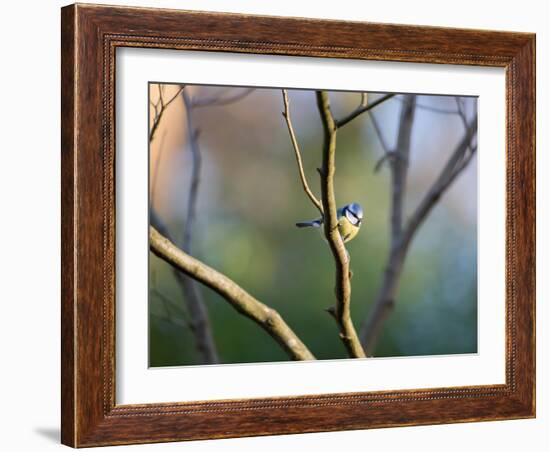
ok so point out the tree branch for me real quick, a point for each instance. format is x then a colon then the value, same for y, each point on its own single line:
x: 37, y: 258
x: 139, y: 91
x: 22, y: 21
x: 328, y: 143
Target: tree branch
x: 385, y: 300
x: 362, y: 108
x: 220, y: 100
x: 267, y: 318
x: 332, y: 234
x: 439, y: 110
x: 192, y: 292
x: 400, y: 165
x: 198, y: 316
x: 297, y: 153
x: 458, y: 160
x: 156, y: 171
x: 159, y: 113
x: 168, y: 309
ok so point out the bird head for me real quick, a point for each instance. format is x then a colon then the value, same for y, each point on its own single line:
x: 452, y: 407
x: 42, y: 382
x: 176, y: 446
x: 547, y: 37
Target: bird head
x: 354, y: 213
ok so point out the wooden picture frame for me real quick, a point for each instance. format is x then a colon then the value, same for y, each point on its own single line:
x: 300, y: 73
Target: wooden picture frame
x: 90, y: 36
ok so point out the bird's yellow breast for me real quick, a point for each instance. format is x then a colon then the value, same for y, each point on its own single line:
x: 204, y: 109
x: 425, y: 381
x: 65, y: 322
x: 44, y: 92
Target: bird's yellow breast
x: 347, y: 230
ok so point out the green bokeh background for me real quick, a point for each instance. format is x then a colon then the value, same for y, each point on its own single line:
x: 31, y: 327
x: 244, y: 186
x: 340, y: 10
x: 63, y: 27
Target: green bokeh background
x: 250, y: 197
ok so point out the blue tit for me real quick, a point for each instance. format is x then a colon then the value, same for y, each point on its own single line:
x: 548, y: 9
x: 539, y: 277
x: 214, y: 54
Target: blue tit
x: 349, y: 221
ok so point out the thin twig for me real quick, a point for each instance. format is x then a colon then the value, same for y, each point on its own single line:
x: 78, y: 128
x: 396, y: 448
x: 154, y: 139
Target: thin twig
x: 444, y: 111
x: 379, y: 134
x: 168, y: 309
x: 342, y: 312
x: 220, y: 100
x: 362, y: 108
x: 266, y: 317
x: 388, y: 153
x: 298, y: 154
x: 159, y: 113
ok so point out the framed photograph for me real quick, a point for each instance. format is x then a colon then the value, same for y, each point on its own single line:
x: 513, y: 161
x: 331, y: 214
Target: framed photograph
x: 281, y: 225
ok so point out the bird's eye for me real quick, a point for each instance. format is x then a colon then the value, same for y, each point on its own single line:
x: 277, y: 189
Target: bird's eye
x: 352, y: 217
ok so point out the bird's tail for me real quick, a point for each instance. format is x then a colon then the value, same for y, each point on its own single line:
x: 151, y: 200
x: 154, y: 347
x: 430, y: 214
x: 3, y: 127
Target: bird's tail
x: 309, y: 224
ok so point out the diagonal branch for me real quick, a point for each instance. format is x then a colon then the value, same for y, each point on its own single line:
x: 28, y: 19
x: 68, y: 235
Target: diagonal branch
x: 385, y: 300
x: 341, y: 312
x: 266, y: 317
x: 362, y: 108
x: 297, y: 153
x: 458, y: 160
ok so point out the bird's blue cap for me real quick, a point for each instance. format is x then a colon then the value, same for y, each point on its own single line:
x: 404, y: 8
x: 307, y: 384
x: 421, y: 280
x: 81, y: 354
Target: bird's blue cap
x: 356, y: 209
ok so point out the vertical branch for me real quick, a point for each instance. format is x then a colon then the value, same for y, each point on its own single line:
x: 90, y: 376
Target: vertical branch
x: 399, y: 165
x: 156, y: 171
x: 343, y: 284
x: 196, y: 166
x: 195, y: 303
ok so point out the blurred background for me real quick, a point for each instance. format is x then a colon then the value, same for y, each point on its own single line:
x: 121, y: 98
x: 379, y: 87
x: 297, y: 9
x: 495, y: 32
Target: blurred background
x: 249, y: 198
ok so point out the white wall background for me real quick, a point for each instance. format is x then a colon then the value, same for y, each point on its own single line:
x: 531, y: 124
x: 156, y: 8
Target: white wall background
x: 29, y: 380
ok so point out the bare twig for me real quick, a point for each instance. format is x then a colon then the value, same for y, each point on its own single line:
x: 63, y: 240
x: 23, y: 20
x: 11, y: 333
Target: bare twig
x: 159, y: 113
x: 297, y: 153
x: 343, y: 284
x: 400, y: 243
x: 388, y: 153
x: 379, y: 134
x: 168, y: 309
x: 444, y: 111
x: 362, y: 108
x: 218, y: 101
x: 266, y: 317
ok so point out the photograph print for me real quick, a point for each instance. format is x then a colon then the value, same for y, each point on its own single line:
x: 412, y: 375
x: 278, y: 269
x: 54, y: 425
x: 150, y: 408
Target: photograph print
x: 304, y: 225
